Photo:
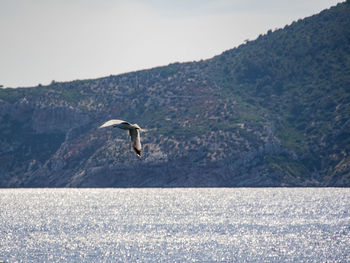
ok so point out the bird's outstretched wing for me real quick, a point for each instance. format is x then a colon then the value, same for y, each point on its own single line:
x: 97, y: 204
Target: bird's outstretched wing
x: 135, y: 140
x: 112, y: 123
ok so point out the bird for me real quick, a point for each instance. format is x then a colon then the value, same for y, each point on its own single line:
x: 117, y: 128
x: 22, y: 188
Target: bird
x: 134, y: 132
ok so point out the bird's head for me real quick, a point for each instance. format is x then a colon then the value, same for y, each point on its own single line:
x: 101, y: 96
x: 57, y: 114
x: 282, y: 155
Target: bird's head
x: 138, y: 128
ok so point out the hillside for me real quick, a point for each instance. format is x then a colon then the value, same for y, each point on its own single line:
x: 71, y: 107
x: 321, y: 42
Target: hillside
x: 272, y: 112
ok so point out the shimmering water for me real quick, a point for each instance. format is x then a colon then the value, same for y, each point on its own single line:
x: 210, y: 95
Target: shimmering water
x: 175, y: 225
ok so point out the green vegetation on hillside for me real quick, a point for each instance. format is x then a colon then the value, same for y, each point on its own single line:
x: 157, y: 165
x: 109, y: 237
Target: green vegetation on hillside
x: 273, y: 111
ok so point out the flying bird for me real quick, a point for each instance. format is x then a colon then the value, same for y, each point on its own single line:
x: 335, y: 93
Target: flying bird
x: 134, y: 132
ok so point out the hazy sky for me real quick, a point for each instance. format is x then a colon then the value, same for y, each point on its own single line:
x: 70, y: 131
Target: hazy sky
x: 62, y: 40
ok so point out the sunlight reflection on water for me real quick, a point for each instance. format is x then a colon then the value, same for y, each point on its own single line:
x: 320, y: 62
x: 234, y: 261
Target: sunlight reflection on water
x: 175, y: 225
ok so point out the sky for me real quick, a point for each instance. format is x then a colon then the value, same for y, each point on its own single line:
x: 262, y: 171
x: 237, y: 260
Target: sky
x: 64, y: 40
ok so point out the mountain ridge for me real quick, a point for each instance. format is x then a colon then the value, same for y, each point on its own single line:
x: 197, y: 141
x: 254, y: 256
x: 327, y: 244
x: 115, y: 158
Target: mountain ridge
x: 271, y: 112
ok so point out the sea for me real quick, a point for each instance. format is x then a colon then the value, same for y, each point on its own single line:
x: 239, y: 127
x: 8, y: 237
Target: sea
x: 175, y: 225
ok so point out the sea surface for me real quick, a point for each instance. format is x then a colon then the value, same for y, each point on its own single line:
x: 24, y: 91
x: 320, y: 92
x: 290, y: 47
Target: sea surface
x: 175, y: 225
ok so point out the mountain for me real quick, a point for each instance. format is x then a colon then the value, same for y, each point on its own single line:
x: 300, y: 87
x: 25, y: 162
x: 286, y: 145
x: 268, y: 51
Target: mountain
x: 272, y: 112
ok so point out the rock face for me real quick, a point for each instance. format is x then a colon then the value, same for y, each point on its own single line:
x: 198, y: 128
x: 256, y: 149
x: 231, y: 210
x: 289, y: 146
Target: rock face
x: 272, y: 112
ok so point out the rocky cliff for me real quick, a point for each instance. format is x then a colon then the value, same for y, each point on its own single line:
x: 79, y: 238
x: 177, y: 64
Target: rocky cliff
x: 272, y: 112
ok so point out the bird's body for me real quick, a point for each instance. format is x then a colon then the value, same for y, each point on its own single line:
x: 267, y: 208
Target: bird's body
x: 134, y: 132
